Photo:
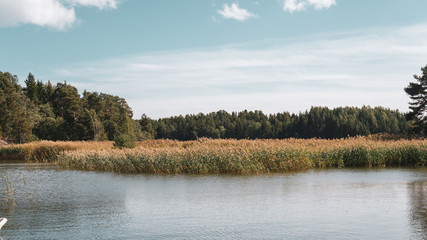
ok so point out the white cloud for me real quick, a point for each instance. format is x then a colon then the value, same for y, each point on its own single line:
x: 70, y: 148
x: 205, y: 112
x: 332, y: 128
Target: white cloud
x: 319, y: 4
x: 101, y: 4
x: 233, y: 11
x: 364, y: 68
x: 55, y: 14
x: 46, y: 13
x: 293, y: 5
x: 300, y: 5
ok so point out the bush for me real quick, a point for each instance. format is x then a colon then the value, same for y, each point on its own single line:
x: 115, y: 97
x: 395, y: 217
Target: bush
x: 124, y: 141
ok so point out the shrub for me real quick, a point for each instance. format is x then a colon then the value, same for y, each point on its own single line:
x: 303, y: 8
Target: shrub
x: 124, y: 141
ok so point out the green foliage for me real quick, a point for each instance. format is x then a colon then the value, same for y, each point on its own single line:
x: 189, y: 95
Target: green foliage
x: 146, y: 127
x: 58, y: 112
x: 44, y: 111
x: 31, y: 89
x: 112, y: 112
x: 418, y: 94
x: 320, y: 122
x: 124, y: 141
x: 18, y: 115
x: 141, y: 135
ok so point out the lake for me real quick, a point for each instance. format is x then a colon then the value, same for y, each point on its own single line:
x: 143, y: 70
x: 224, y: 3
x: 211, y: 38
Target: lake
x: 51, y: 203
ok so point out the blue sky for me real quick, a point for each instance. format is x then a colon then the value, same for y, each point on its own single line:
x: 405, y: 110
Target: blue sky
x: 179, y: 57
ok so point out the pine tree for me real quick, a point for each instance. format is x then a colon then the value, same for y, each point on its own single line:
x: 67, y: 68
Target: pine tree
x: 418, y: 94
x: 31, y: 89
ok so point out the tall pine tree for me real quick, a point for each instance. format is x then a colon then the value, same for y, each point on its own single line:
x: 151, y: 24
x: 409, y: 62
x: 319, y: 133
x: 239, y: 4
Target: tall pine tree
x: 418, y: 94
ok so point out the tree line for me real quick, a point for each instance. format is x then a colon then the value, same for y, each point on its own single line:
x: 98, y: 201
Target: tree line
x: 318, y: 122
x: 43, y: 111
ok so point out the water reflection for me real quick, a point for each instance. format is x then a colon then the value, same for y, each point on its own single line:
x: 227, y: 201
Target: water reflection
x: 418, y: 208
x: 331, y: 204
x: 64, y: 204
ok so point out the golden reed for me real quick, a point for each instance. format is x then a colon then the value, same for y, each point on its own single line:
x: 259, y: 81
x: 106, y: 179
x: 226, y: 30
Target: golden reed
x: 207, y: 156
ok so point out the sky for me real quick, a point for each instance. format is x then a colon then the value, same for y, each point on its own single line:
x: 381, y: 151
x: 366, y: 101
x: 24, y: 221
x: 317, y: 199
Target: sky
x: 172, y: 57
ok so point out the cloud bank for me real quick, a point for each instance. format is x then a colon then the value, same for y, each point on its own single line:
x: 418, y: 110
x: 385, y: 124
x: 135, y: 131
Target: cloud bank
x: 233, y: 11
x: 364, y: 68
x: 300, y: 5
x: 55, y: 14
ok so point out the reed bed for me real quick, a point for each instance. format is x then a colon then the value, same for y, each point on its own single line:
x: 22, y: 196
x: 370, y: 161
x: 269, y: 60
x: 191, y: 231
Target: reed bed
x: 47, y: 151
x: 207, y: 156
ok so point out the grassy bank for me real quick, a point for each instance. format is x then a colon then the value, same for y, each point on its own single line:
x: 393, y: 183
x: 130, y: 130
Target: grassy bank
x: 206, y: 156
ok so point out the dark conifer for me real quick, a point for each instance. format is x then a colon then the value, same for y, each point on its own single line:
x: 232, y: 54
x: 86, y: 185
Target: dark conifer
x: 418, y: 94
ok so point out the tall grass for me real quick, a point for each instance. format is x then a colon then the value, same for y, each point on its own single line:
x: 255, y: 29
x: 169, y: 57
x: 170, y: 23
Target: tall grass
x: 46, y: 151
x: 206, y: 156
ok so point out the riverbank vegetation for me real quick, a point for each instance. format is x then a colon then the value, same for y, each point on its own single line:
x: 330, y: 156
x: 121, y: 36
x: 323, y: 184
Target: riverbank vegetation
x: 209, y: 156
x: 44, y: 111
x: 47, y: 151
x: 246, y: 142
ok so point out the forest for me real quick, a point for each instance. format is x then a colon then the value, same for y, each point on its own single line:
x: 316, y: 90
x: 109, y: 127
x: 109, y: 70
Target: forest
x: 318, y: 122
x: 44, y: 111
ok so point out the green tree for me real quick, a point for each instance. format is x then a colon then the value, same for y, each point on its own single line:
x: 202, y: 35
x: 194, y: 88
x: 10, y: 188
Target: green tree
x: 31, y: 89
x: 418, y: 94
x: 146, y: 127
x: 67, y: 105
x: 18, y: 115
x: 124, y: 141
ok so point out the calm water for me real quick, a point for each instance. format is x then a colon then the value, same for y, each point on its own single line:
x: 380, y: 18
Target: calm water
x: 320, y: 204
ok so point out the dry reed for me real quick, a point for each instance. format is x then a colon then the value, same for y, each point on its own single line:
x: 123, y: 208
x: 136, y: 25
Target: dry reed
x: 206, y: 156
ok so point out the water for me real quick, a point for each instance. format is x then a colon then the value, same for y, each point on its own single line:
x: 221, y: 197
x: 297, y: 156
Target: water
x: 318, y: 204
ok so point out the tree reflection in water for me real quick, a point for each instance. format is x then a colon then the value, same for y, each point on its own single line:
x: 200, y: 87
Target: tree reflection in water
x: 418, y: 212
